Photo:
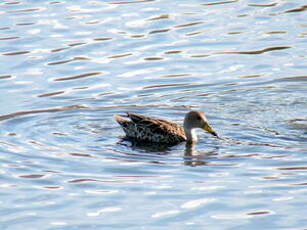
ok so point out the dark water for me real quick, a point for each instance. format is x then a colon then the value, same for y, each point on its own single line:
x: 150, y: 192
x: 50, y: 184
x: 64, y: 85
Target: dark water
x: 68, y: 66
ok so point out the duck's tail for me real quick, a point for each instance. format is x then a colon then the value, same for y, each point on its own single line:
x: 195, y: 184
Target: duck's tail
x: 122, y: 121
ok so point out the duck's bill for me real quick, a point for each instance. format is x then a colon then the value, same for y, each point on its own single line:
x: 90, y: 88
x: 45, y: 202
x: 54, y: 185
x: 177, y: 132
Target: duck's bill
x: 207, y: 128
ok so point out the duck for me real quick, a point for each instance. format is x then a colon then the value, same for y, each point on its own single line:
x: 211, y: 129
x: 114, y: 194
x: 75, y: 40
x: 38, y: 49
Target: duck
x: 148, y: 129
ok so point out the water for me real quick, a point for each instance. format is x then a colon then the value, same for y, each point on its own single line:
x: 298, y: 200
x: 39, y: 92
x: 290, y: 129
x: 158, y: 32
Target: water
x: 69, y: 66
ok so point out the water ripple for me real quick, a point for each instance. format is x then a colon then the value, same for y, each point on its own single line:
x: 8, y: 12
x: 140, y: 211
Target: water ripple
x: 218, y: 3
x: 77, y: 76
x: 69, y: 66
x: 22, y: 113
x: 257, y: 51
x: 129, y: 2
x: 16, y: 53
x: 299, y: 9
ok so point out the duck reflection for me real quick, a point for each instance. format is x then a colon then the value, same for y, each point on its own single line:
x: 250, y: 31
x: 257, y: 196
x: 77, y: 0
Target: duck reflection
x: 191, y: 157
x: 196, y: 158
x: 148, y: 147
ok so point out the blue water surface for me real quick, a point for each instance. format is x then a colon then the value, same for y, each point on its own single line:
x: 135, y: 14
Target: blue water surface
x: 69, y: 66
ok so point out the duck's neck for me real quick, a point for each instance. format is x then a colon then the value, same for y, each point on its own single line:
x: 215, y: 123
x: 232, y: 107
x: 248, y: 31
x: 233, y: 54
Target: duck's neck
x: 190, y: 134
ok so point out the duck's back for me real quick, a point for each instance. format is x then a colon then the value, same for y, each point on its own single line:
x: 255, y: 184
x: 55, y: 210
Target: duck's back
x: 150, y: 129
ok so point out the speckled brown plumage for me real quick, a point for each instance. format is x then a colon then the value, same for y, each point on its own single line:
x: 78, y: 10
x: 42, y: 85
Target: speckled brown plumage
x: 150, y: 129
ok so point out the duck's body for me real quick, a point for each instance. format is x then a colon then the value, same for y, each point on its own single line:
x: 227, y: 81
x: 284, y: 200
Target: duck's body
x: 143, y: 128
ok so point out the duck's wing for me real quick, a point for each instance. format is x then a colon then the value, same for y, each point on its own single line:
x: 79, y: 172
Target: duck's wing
x: 157, y: 125
x: 151, y: 129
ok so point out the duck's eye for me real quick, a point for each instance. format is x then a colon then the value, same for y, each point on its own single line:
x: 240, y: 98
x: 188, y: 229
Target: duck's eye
x: 198, y: 118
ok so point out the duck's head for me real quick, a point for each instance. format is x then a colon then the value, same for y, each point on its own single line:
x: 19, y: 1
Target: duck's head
x: 195, y: 119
